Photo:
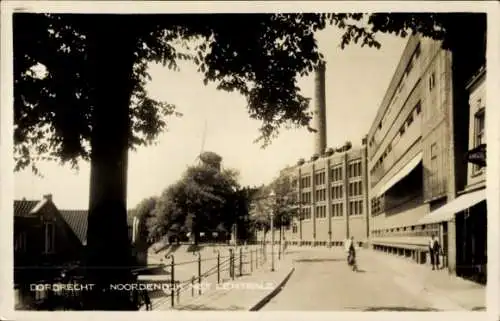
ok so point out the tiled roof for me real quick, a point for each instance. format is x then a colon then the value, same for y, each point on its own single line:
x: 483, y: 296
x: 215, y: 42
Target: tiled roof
x: 24, y: 207
x: 77, y: 221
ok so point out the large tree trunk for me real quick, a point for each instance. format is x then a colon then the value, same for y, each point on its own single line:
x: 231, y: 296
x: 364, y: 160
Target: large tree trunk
x: 109, y: 250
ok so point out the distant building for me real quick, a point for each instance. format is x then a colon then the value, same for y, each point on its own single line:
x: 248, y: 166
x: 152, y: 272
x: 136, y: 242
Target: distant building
x: 333, y: 195
x: 332, y: 188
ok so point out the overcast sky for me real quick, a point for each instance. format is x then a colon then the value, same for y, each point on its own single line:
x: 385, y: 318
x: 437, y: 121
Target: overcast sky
x: 356, y: 80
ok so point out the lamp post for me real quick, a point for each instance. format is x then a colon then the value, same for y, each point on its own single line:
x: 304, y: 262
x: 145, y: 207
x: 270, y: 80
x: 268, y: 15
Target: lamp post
x: 271, y: 196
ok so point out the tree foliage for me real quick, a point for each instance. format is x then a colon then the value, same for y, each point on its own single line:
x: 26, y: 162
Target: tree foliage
x: 284, y: 205
x: 259, y: 55
x: 203, y: 200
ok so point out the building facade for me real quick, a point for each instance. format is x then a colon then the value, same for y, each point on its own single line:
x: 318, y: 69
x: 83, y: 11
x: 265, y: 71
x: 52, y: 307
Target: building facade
x: 333, y: 194
x: 417, y: 148
x: 408, y: 146
x: 333, y: 200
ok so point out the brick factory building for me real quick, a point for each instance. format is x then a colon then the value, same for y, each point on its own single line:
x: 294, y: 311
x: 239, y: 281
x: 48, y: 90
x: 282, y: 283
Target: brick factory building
x: 332, y: 187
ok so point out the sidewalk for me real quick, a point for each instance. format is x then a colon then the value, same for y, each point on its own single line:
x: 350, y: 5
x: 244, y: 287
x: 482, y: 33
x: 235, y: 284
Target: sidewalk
x: 449, y: 292
x: 241, y: 294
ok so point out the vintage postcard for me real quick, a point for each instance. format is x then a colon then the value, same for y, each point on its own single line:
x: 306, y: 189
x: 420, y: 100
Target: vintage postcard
x: 249, y: 157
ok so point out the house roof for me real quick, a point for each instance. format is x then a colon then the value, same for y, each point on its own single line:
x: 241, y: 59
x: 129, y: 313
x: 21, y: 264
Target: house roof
x: 77, y: 221
x: 23, y: 208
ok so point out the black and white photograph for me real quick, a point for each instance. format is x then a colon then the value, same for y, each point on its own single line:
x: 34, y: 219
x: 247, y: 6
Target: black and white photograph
x: 257, y: 160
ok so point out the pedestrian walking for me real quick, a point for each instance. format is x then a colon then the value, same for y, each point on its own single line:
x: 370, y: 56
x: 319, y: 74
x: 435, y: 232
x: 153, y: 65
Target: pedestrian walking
x: 434, y: 251
x: 147, y: 300
x: 350, y: 248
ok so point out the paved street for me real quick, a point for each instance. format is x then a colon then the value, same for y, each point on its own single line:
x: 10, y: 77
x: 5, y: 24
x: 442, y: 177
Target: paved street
x: 322, y: 281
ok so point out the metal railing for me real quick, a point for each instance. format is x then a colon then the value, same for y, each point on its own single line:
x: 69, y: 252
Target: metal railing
x: 176, y: 285
x: 233, y: 265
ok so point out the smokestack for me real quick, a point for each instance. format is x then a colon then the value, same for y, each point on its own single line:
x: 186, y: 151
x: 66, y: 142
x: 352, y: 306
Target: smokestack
x: 319, y: 118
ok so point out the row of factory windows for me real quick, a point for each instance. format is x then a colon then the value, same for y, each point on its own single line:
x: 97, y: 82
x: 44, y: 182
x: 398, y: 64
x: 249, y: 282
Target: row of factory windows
x: 412, y: 61
x: 409, y: 121
x: 337, y: 209
x: 353, y: 170
x: 415, y: 230
x: 337, y: 192
x: 377, y: 205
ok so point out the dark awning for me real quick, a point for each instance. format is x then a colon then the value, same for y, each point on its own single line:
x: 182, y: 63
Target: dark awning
x: 447, y: 211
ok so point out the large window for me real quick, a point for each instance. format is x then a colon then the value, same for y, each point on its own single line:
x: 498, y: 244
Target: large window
x: 355, y: 188
x: 336, y: 174
x: 337, y: 192
x: 49, y: 237
x: 377, y: 205
x: 479, y: 128
x: 355, y: 207
x: 321, y: 211
x: 305, y: 182
x: 354, y: 169
x: 306, y: 213
x: 479, y: 137
x: 306, y: 198
x: 320, y: 195
x: 337, y: 209
x: 319, y: 178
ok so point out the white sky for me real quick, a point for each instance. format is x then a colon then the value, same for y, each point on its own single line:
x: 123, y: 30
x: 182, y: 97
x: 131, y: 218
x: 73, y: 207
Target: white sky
x: 356, y: 80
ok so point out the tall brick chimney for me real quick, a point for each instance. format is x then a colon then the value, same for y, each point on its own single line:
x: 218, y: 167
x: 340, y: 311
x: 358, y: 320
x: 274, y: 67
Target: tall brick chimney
x: 48, y: 197
x: 319, y: 112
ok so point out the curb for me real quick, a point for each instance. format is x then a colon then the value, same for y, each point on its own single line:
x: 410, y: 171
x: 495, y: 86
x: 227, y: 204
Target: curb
x: 273, y: 293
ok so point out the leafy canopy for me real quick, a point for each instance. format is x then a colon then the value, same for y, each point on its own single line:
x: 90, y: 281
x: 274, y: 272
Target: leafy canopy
x: 258, y: 55
x: 284, y: 204
x: 204, y: 199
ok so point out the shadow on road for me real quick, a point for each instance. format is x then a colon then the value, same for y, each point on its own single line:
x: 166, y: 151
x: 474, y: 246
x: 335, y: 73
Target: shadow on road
x: 202, y: 307
x: 479, y: 309
x: 398, y: 309
x: 318, y: 260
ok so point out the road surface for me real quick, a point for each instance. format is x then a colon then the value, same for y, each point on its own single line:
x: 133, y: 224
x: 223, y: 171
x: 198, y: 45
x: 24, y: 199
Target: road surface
x: 322, y: 281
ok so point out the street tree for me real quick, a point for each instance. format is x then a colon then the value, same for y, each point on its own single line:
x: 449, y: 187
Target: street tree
x: 278, y: 198
x: 79, y: 90
x: 202, y: 201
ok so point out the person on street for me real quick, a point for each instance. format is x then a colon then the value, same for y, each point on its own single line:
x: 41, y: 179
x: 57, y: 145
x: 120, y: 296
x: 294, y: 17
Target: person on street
x: 349, y: 247
x: 434, y: 250
x: 147, y: 300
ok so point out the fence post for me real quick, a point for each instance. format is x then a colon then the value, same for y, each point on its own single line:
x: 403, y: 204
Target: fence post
x: 218, y: 267
x: 172, y: 279
x: 231, y: 270
x: 192, y: 285
x: 199, y: 273
x: 241, y: 261
x: 251, y: 261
